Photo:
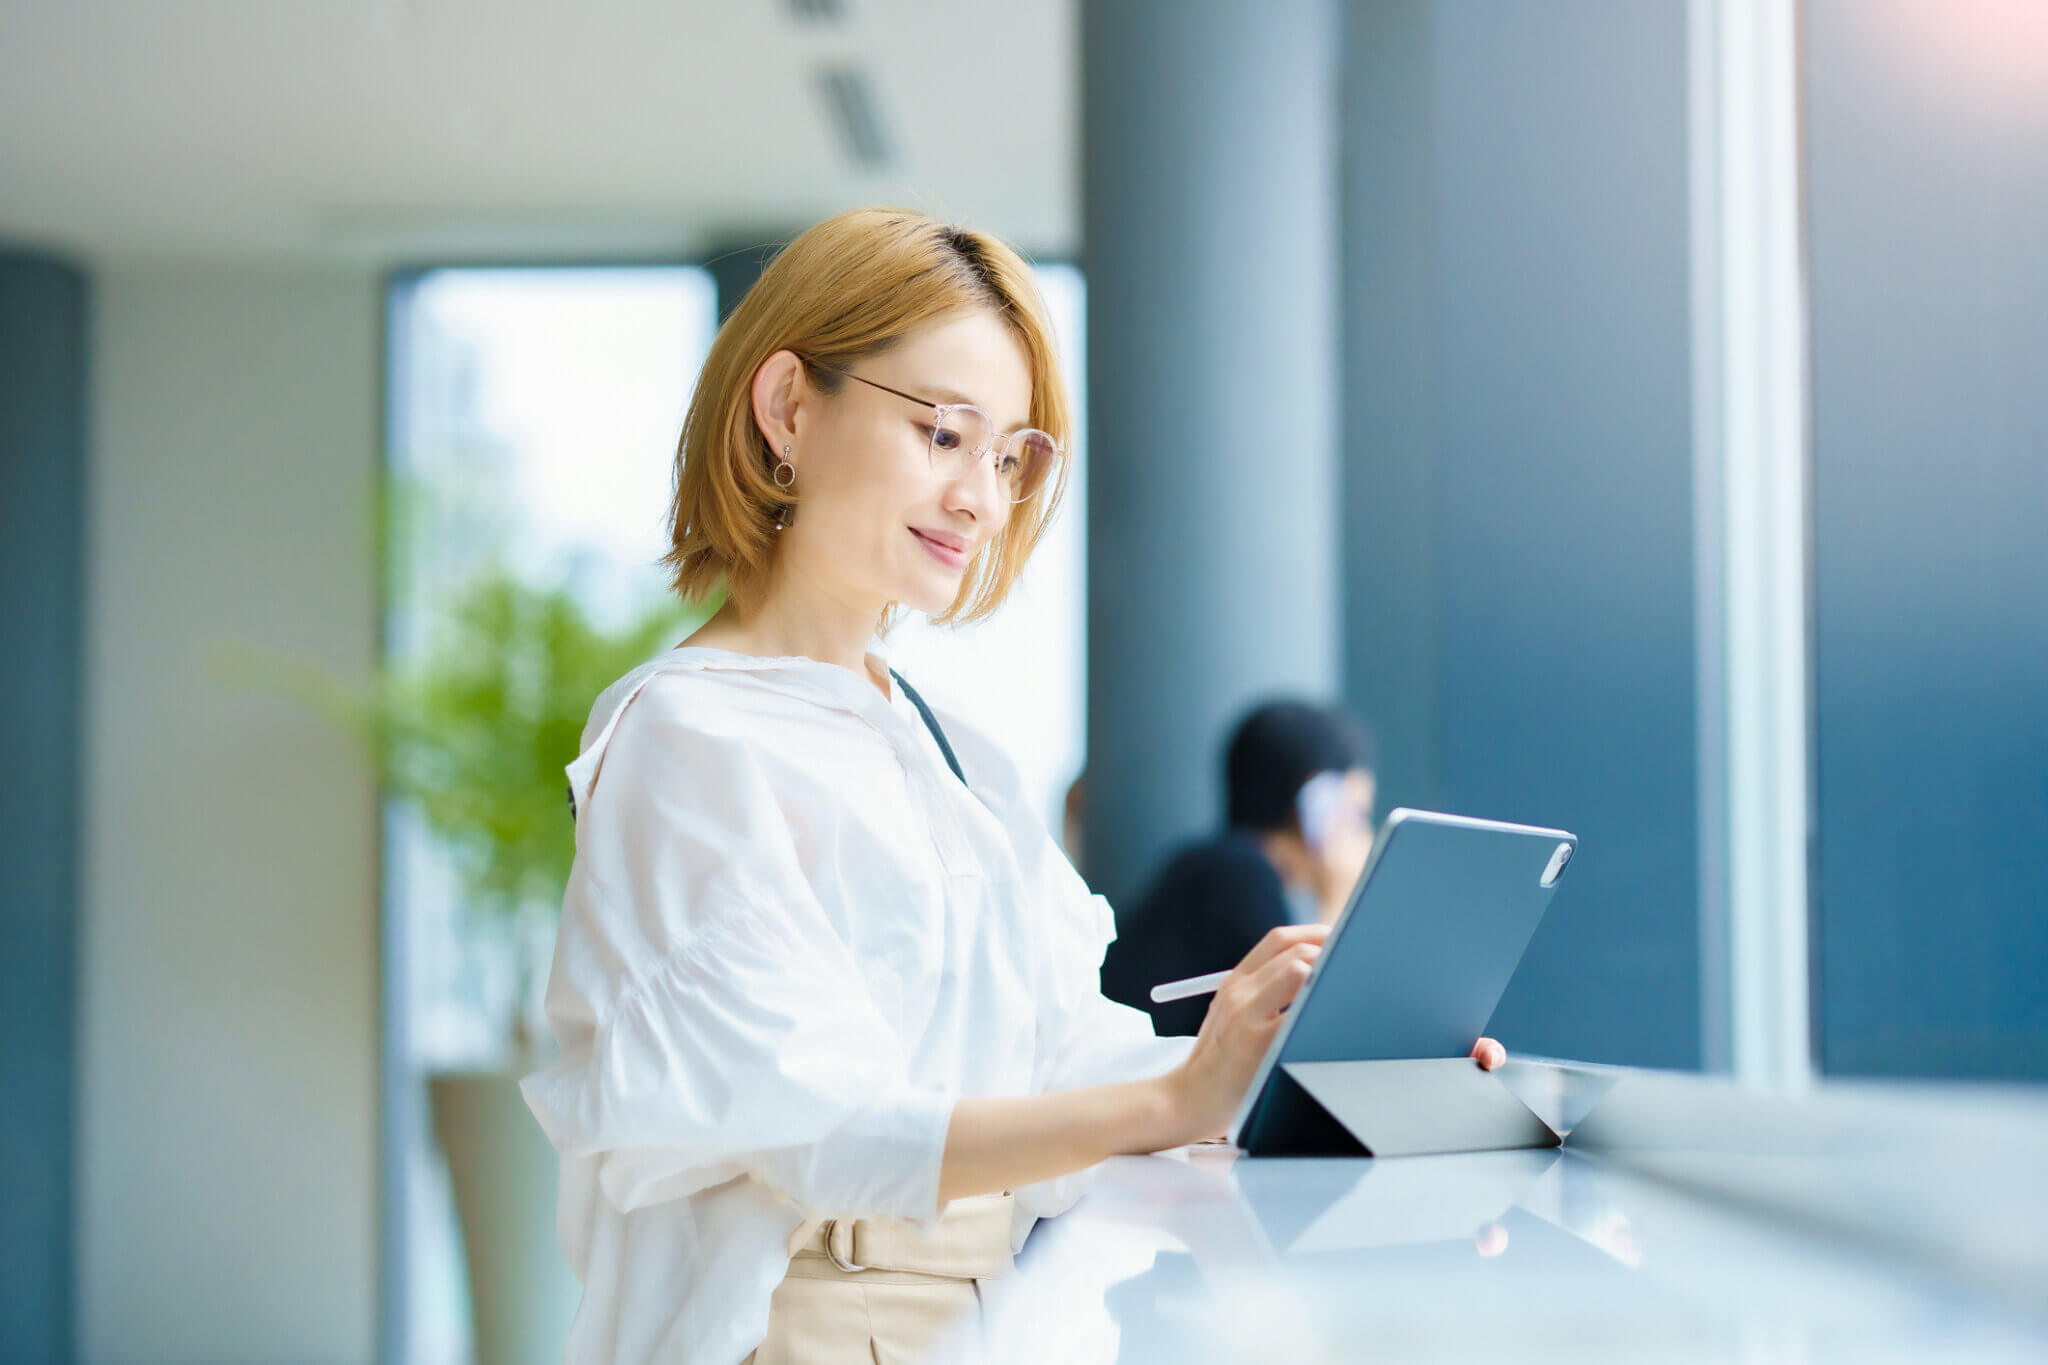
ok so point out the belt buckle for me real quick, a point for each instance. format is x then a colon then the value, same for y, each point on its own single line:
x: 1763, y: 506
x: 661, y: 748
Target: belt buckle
x: 844, y: 1261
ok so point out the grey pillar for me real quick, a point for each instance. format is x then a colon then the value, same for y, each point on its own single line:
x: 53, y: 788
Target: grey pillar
x: 1208, y: 153
x: 42, y: 600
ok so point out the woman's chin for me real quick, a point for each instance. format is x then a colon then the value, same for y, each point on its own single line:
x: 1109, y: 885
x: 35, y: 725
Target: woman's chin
x: 928, y: 587
x: 930, y: 593
x: 930, y: 603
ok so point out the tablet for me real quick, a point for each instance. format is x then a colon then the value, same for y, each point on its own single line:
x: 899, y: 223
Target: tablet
x: 1413, y: 967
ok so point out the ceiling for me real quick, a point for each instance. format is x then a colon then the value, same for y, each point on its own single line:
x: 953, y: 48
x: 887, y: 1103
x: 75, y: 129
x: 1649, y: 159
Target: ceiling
x: 410, y: 130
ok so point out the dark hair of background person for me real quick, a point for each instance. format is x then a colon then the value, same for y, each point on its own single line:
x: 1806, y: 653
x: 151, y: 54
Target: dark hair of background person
x: 1276, y: 749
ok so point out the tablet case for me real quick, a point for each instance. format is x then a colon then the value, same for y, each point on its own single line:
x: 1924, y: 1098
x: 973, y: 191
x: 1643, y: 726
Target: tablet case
x: 1364, y: 1074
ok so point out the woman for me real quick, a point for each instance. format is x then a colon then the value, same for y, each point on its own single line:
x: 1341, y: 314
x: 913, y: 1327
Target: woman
x: 825, y: 989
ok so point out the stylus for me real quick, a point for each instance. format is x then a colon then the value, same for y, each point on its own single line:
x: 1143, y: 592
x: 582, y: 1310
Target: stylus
x: 1181, y: 990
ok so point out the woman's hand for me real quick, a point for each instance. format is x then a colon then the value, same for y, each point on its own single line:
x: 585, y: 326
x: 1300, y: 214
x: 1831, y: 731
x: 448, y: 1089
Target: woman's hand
x: 1243, y: 1016
x: 1002, y: 1142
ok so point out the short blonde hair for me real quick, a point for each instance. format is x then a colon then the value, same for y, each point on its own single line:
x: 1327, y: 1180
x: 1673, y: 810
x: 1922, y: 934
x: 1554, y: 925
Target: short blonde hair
x: 848, y: 288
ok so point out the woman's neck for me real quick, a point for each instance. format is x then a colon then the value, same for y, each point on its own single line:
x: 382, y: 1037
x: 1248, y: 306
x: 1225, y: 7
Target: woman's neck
x: 784, y: 625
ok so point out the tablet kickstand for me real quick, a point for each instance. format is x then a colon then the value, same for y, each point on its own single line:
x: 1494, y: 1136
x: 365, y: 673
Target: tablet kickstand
x: 1423, y: 1105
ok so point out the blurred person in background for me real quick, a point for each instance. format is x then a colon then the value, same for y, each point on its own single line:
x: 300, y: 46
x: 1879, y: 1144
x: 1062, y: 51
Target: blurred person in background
x: 1298, y: 824
x: 826, y: 991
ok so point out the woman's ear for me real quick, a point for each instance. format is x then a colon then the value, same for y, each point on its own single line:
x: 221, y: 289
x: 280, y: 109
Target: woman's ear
x: 779, y: 391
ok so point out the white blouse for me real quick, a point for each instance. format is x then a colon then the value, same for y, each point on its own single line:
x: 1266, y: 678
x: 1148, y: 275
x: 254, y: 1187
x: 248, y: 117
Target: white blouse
x: 791, y: 940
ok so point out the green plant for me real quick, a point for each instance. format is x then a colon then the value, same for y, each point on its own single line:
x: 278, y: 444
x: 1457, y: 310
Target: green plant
x: 476, y: 729
x: 473, y: 725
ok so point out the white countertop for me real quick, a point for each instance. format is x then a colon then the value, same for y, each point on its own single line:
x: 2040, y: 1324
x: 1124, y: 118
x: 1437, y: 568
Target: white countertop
x: 1201, y: 1255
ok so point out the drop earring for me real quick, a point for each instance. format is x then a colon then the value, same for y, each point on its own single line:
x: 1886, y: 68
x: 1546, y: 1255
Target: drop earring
x: 782, y: 467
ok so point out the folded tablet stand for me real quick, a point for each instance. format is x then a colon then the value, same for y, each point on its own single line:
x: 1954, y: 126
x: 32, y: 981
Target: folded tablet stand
x: 1398, y: 1108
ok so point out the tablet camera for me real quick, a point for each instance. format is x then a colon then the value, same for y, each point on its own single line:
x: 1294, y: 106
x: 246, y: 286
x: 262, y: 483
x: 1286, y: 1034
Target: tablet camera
x: 1555, y: 869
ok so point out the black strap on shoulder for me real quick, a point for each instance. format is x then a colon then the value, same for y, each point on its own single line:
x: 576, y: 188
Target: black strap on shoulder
x: 932, y: 723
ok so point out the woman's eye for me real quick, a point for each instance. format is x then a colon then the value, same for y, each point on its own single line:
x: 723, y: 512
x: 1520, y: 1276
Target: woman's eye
x: 944, y: 440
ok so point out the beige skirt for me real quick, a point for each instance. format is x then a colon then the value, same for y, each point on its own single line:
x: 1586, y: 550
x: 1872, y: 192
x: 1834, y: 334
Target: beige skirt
x: 874, y: 1292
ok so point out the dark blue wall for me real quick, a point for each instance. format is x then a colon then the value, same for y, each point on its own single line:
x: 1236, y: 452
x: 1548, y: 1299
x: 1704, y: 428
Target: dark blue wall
x: 42, y: 599
x: 1928, y: 204
x: 1519, y: 556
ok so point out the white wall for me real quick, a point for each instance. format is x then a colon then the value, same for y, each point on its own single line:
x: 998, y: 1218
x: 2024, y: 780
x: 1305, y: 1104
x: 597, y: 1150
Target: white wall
x: 228, y: 1022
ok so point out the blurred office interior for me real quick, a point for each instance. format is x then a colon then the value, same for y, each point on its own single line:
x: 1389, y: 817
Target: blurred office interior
x: 1641, y: 454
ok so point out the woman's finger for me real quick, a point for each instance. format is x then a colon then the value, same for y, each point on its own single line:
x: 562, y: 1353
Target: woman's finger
x: 1274, y: 986
x: 1279, y: 940
x: 1489, y: 1054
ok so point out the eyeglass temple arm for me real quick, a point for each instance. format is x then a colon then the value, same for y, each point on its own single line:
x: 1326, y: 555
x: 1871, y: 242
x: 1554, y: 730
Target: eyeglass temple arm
x: 994, y: 435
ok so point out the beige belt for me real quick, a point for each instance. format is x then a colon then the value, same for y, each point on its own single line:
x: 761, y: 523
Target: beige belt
x: 970, y: 1242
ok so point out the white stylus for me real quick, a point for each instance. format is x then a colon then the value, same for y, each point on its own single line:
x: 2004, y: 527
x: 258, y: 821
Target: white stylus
x: 1181, y: 990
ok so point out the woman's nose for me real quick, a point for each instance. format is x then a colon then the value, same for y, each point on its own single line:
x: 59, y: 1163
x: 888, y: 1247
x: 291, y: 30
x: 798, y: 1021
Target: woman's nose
x: 978, y: 488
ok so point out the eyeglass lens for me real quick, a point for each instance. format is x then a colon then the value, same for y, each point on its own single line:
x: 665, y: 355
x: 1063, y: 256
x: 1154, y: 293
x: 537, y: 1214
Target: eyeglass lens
x: 964, y: 433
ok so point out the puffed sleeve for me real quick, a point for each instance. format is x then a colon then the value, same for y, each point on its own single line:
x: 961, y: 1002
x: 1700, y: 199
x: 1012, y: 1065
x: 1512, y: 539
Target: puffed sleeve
x: 713, y: 1020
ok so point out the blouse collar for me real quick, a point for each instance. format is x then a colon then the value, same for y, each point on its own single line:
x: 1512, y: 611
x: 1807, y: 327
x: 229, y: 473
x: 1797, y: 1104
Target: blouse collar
x: 831, y: 684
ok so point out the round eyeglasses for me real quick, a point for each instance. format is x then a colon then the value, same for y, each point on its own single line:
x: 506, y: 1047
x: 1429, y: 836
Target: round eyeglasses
x: 961, y: 433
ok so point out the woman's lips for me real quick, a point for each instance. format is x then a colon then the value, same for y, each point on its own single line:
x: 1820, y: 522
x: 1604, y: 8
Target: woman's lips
x: 945, y: 554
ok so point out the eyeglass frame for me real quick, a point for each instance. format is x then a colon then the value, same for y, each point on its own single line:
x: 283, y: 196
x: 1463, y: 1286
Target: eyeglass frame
x: 940, y: 410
